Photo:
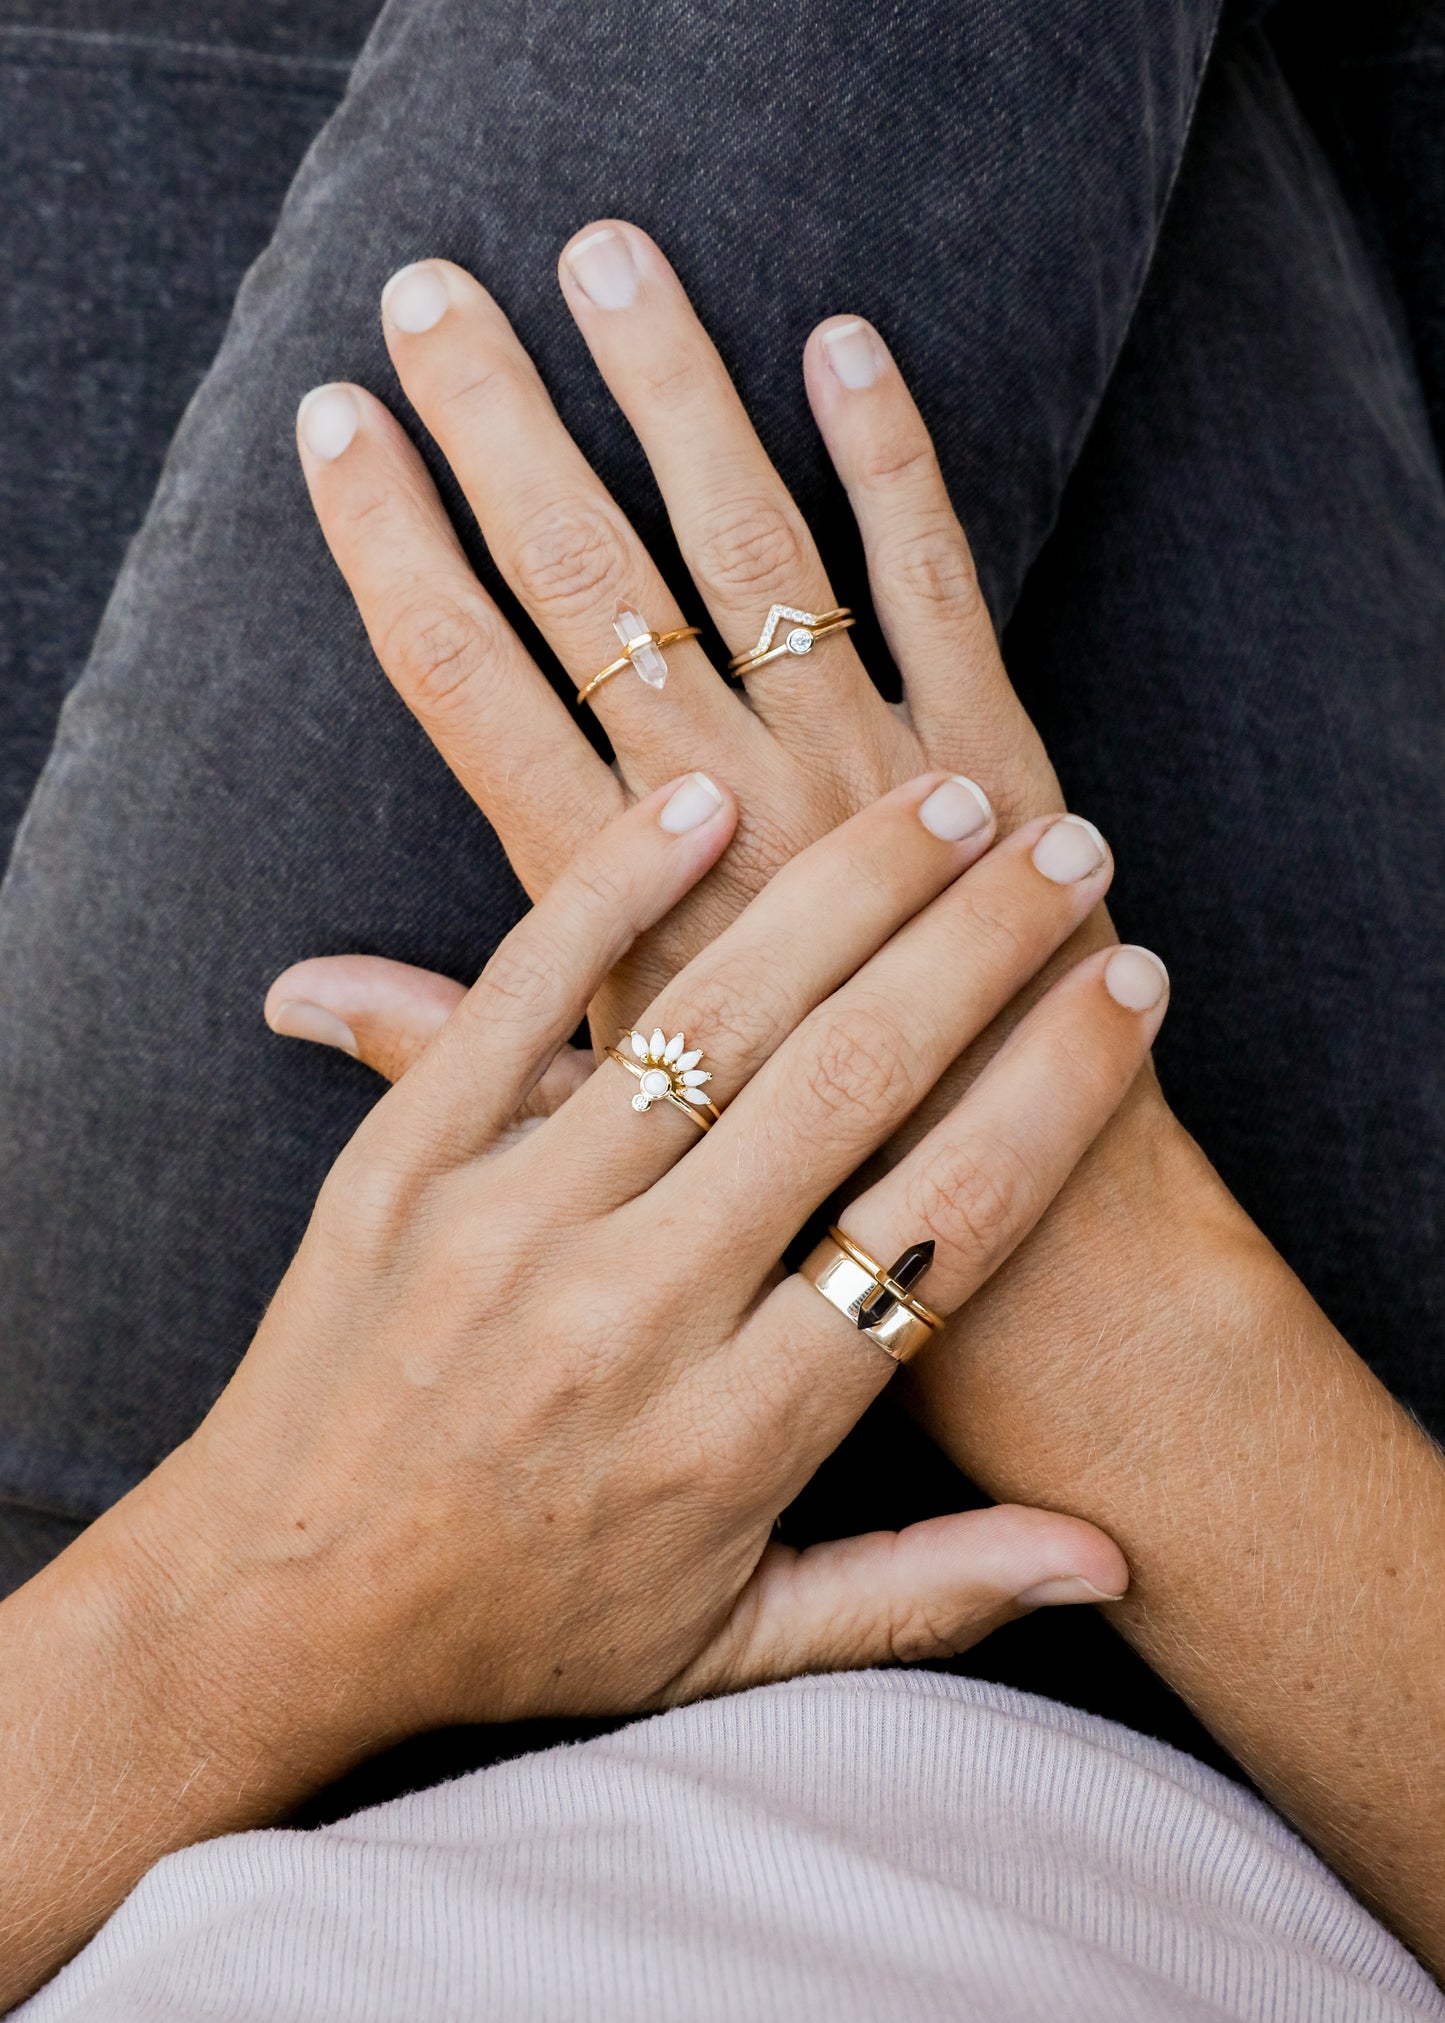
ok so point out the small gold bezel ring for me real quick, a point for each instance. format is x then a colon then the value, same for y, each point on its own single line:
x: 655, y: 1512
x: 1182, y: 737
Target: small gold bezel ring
x: 624, y: 659
x: 818, y: 625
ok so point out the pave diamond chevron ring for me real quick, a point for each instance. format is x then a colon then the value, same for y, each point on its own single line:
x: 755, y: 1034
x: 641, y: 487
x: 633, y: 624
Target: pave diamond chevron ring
x: 805, y: 629
x: 667, y: 1071
x: 641, y: 651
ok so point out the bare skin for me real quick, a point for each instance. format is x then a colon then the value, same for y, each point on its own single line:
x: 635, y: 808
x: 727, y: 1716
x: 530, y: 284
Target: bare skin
x: 478, y: 1464
x: 1146, y: 1361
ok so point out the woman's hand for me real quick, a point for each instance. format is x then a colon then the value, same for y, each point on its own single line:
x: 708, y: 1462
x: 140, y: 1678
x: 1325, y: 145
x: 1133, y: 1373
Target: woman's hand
x: 515, y: 1431
x: 529, y: 1418
x: 812, y: 739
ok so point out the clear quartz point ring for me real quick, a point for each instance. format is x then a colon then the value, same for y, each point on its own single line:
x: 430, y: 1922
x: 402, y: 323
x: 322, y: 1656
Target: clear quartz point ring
x: 641, y: 651
x: 667, y: 1071
x: 805, y: 629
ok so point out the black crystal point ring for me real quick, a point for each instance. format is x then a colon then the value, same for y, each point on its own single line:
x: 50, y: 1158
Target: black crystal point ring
x: 879, y: 1303
x: 908, y: 1270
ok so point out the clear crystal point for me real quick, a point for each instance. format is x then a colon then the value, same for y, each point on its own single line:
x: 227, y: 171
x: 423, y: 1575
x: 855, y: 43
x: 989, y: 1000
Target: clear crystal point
x: 647, y: 659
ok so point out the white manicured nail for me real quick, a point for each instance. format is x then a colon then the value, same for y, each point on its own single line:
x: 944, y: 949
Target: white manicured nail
x: 415, y: 299
x: 328, y: 418
x: 1067, y: 1588
x: 855, y: 353
x: 1135, y: 978
x: 956, y: 809
x: 690, y: 804
x: 297, y: 1020
x: 1070, y: 850
x: 604, y: 269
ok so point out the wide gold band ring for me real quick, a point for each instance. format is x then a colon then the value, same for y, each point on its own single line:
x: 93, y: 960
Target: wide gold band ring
x: 667, y: 1071
x: 806, y: 628
x: 641, y: 651
x: 866, y: 1293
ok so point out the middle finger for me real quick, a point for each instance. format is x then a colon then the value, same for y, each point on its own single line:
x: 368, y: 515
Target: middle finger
x: 555, y: 532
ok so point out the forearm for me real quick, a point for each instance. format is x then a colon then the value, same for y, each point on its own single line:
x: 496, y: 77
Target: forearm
x: 1283, y: 1518
x: 140, y: 1717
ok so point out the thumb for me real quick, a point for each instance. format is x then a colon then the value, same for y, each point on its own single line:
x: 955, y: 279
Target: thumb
x: 385, y: 1013
x: 927, y: 1592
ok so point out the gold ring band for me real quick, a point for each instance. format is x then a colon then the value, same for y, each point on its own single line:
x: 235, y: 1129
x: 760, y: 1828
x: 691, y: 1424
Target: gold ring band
x: 667, y: 1071
x: 849, y: 1279
x: 806, y: 629
x: 633, y: 643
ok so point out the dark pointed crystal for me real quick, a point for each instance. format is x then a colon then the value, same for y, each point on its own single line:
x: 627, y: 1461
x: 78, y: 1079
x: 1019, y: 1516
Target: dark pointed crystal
x: 906, y: 1272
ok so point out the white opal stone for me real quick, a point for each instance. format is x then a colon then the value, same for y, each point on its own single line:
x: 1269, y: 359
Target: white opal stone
x: 800, y: 640
x: 694, y: 1095
x: 647, y: 659
x: 690, y: 1059
x: 657, y: 1045
x: 673, y: 1048
x: 639, y: 1046
x: 694, y: 1078
x: 655, y: 1082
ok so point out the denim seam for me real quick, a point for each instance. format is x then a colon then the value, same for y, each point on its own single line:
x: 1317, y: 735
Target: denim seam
x: 81, y: 49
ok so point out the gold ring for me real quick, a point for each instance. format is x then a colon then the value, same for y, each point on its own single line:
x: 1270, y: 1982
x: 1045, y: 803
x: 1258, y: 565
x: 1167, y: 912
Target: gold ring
x: 807, y: 628
x: 668, y: 1071
x: 641, y: 651
x: 876, y: 1300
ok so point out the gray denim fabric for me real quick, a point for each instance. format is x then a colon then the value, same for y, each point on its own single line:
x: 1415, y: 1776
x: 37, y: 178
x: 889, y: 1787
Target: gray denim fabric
x: 1194, y: 458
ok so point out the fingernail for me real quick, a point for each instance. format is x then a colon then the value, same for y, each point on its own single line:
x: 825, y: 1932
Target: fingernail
x: 855, y: 353
x: 1068, y: 1588
x: 328, y: 418
x: 1135, y: 978
x: 415, y: 299
x: 297, y: 1020
x: 1070, y: 850
x: 689, y: 805
x: 956, y: 809
x: 604, y: 269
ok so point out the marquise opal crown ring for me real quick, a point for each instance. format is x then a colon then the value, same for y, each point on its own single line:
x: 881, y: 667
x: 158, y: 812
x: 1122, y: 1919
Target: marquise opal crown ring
x: 641, y: 651
x: 806, y: 628
x: 667, y: 1071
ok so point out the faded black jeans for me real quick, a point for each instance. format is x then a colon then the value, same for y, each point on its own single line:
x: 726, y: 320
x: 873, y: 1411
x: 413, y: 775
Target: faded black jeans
x: 1171, y: 290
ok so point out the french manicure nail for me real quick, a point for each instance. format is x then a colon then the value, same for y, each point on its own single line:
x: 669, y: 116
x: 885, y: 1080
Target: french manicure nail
x: 1135, y: 978
x: 604, y: 269
x: 1069, y: 850
x: 328, y: 418
x: 415, y: 299
x: 298, y: 1020
x: 689, y: 805
x: 956, y: 809
x: 1068, y: 1588
x: 855, y: 353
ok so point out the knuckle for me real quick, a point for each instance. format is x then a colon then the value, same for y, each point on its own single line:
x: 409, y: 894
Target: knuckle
x: 603, y: 886
x: 860, y: 1065
x: 368, y: 1201
x: 902, y: 454
x: 432, y: 651
x: 973, y: 1203
x: 730, y: 1016
x: 573, y: 558
x: 521, y: 980
x: 750, y: 545
x: 931, y: 566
